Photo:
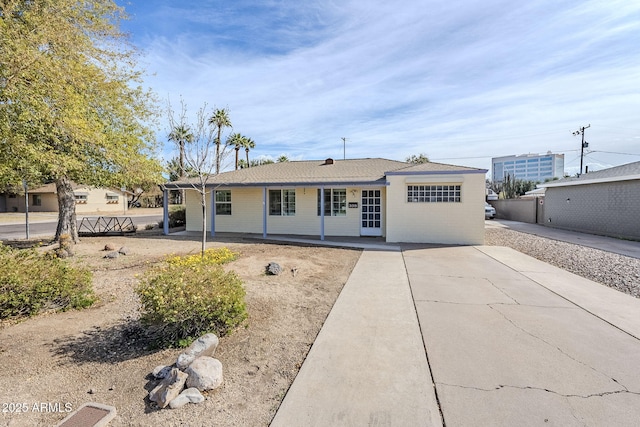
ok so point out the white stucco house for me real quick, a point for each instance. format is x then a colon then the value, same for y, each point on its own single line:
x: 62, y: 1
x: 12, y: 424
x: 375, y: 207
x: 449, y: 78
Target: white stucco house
x: 402, y: 202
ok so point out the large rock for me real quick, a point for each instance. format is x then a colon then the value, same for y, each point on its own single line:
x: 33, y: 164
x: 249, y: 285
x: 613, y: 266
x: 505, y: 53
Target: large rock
x: 112, y: 255
x: 169, y: 388
x: 205, y: 373
x: 161, y: 372
x: 124, y: 250
x: 274, y: 268
x: 204, y: 346
x: 190, y: 395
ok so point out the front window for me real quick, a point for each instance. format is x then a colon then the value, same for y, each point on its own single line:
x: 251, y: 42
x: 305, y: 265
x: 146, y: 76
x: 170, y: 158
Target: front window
x: 335, y: 202
x: 282, y: 202
x: 81, y: 198
x: 36, y: 200
x: 433, y: 193
x: 223, y: 202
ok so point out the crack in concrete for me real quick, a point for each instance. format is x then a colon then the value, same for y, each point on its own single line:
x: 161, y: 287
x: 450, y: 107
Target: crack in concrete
x: 556, y: 348
x: 503, y: 386
x: 489, y: 304
x: 502, y: 291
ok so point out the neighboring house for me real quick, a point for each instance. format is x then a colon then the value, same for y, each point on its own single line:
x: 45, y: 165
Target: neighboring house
x: 603, y: 202
x: 429, y: 203
x: 528, y: 167
x: 88, y: 200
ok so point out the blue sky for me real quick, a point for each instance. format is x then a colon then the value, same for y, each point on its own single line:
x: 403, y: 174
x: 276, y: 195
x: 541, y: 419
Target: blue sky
x: 461, y: 81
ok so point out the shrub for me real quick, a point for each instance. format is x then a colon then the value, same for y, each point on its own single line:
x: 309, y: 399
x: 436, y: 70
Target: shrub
x: 211, y: 256
x: 186, y: 297
x: 31, y: 282
x: 177, y: 217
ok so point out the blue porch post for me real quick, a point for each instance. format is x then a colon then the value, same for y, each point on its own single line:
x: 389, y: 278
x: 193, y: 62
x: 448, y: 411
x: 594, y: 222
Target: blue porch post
x: 322, y: 212
x: 165, y: 211
x: 213, y: 213
x: 264, y: 212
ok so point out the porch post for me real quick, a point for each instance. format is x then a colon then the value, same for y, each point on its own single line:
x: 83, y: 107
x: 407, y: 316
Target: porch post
x: 264, y: 212
x: 213, y: 213
x: 322, y: 212
x: 165, y: 211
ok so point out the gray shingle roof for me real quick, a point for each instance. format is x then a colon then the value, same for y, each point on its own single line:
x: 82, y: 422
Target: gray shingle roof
x: 617, y: 173
x: 313, y: 172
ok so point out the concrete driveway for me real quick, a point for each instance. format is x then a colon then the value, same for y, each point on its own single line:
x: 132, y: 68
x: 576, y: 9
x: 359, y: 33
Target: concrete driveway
x: 470, y: 336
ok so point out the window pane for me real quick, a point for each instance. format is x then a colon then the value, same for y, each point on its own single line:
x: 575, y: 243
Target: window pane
x: 289, y: 202
x: 275, y: 202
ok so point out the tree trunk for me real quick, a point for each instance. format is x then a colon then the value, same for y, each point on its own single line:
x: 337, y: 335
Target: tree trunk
x: 237, y: 151
x: 247, y: 151
x: 203, y: 194
x: 66, y: 210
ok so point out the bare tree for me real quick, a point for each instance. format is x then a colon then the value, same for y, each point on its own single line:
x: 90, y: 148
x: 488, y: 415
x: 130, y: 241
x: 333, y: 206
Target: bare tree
x: 200, y: 158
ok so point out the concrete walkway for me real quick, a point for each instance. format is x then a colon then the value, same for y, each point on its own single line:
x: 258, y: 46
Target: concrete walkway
x: 470, y: 336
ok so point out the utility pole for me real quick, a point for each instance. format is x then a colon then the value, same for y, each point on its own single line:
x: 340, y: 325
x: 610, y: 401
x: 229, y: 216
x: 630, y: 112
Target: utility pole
x: 584, y: 144
x: 344, y: 148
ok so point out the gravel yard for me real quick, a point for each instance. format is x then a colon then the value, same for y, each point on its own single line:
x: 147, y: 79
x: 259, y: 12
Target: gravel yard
x: 615, y: 271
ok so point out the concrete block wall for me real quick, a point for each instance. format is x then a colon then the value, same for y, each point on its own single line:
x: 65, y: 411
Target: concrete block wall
x: 523, y: 210
x: 611, y: 209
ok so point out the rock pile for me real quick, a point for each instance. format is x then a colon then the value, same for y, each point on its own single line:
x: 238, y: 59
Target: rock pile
x: 195, y: 368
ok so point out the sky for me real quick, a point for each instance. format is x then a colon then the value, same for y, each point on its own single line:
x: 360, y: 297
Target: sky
x: 460, y: 81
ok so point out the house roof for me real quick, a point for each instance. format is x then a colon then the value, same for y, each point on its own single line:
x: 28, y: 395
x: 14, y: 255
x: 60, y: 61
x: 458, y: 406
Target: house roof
x: 320, y: 172
x: 630, y: 171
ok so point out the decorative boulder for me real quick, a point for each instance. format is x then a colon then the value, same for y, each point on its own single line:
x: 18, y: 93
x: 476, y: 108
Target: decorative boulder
x: 169, y: 388
x: 112, y: 255
x: 190, y: 395
x: 161, y: 372
x: 205, y: 373
x: 109, y: 247
x: 124, y: 250
x: 204, y: 346
x: 274, y: 269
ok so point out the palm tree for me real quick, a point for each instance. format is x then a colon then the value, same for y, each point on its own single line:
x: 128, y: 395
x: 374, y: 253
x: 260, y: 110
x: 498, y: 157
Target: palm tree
x: 242, y: 164
x: 282, y: 158
x: 236, y: 140
x: 219, y: 119
x: 181, y: 135
x: 248, y: 144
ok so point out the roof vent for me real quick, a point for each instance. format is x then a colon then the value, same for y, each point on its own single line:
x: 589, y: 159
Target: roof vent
x: 329, y: 161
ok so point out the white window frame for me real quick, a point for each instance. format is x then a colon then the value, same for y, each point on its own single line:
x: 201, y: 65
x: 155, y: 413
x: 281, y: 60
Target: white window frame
x: 223, y: 201
x: 285, y: 205
x: 448, y: 193
x: 333, y: 206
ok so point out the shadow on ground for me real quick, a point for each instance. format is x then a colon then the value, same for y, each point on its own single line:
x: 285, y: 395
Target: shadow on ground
x: 113, y: 344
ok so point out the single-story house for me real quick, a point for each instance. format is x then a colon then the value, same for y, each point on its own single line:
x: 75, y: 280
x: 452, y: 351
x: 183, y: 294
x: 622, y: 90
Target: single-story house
x: 402, y: 202
x: 45, y: 199
x: 604, y: 202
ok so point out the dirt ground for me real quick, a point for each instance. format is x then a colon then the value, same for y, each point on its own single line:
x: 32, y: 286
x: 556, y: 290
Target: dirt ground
x: 54, y: 362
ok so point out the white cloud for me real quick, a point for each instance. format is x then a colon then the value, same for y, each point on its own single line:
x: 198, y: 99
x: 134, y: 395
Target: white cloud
x: 448, y: 79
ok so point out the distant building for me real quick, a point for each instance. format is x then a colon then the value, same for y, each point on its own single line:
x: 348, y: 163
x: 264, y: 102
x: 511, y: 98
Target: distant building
x: 528, y: 167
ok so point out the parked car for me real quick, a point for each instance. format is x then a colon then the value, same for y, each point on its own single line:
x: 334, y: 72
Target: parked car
x: 489, y: 211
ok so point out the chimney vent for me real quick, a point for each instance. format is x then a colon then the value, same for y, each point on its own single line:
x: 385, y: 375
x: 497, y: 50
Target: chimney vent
x: 329, y: 161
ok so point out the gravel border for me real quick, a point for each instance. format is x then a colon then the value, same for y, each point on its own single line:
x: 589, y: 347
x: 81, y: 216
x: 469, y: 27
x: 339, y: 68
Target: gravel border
x: 615, y: 271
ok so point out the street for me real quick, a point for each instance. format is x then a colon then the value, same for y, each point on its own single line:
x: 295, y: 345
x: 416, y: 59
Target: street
x: 17, y: 230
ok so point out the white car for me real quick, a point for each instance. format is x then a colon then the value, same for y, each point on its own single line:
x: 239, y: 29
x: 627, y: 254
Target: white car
x: 489, y: 211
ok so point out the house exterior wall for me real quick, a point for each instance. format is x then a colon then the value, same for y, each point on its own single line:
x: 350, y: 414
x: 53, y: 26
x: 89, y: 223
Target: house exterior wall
x: 247, y: 214
x: 97, y: 201
x: 449, y: 223
x: 611, y: 209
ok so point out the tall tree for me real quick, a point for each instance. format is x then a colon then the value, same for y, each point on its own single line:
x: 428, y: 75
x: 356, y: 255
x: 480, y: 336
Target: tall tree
x: 248, y: 144
x: 220, y: 120
x: 181, y: 135
x: 71, y: 104
x: 282, y: 158
x: 236, y: 140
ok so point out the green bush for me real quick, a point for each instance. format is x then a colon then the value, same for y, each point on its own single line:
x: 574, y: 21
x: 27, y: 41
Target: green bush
x: 177, y: 217
x: 31, y: 282
x: 184, y: 300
